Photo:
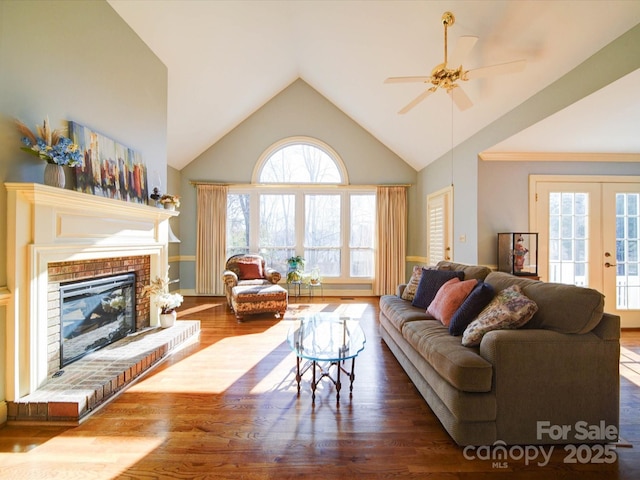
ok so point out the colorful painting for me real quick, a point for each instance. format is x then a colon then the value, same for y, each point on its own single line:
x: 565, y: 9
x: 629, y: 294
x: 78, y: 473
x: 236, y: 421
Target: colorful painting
x: 110, y: 169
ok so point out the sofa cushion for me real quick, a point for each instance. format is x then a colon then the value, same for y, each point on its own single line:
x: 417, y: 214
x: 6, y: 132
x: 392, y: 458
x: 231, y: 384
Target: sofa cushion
x: 510, y: 309
x: 562, y: 308
x: 471, y: 308
x: 430, y: 283
x: 399, y: 311
x: 462, y: 367
x: 409, y: 291
x: 470, y: 271
x: 449, y: 298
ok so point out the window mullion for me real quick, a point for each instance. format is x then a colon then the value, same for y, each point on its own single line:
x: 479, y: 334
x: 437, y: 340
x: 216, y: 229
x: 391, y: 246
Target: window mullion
x: 300, y: 222
x: 254, y: 227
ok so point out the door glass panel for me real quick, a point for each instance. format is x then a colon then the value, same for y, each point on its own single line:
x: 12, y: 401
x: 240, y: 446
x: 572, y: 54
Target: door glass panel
x: 568, y: 238
x: 627, y: 278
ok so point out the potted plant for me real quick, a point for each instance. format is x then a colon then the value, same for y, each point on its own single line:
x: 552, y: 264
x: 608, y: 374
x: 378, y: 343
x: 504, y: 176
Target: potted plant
x: 170, y: 202
x: 167, y: 302
x: 296, y: 268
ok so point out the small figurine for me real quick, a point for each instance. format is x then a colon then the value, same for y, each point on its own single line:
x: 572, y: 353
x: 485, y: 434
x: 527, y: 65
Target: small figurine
x: 519, y: 252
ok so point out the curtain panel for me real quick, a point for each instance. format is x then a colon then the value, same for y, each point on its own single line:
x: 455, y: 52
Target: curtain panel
x: 391, y: 239
x: 211, y: 238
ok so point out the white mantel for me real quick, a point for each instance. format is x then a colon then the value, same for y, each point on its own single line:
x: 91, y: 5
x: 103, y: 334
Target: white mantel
x: 47, y: 224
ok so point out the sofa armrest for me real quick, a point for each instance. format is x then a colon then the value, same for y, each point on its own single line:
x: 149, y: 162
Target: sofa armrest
x: 546, y: 376
x: 608, y: 328
x: 272, y: 275
x: 230, y: 278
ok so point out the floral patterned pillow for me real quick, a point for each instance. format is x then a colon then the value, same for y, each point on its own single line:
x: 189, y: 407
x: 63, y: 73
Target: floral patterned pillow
x: 510, y: 309
x: 410, y: 290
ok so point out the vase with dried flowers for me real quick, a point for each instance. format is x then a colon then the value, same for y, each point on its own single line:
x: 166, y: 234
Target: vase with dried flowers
x: 53, y: 147
x: 170, y: 202
x: 166, y: 302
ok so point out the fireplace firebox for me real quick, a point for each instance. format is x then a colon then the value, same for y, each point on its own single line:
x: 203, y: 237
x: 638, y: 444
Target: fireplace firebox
x: 95, y: 313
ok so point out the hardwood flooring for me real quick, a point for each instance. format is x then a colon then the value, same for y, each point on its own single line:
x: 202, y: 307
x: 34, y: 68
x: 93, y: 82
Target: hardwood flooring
x: 225, y: 407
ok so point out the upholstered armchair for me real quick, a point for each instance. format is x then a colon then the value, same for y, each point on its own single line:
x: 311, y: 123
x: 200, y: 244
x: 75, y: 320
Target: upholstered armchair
x: 246, y: 270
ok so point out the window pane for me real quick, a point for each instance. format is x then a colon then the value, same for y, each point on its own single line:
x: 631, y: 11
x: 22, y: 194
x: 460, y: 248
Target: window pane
x: 237, y: 224
x: 362, y: 220
x: 277, y: 228
x: 326, y: 260
x: 322, y: 221
x: 300, y: 163
x: 362, y: 235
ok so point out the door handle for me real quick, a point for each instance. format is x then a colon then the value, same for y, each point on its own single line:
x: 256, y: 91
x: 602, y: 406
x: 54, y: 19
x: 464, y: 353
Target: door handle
x: 608, y: 265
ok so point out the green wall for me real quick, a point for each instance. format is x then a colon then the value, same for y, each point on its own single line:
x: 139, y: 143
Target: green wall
x: 297, y: 110
x: 74, y: 60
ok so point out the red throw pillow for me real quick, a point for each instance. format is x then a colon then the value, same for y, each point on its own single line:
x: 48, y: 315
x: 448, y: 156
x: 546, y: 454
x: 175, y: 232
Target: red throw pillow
x: 449, y: 298
x: 250, y: 271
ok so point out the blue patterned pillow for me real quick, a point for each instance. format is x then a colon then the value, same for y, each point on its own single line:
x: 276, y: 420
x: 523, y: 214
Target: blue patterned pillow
x: 430, y: 283
x: 471, y: 308
x: 510, y: 309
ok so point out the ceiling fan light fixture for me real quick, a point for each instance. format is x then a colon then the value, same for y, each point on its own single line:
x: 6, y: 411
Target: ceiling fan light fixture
x: 445, y: 78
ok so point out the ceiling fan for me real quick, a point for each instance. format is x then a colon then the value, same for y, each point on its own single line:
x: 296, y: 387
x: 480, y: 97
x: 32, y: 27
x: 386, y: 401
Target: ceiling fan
x: 445, y: 75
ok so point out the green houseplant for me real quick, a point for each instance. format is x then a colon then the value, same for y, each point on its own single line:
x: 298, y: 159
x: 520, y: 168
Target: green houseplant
x: 296, y: 268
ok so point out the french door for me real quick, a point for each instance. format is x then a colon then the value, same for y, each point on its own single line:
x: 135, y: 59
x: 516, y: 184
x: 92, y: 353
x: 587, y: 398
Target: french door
x: 439, y: 226
x: 590, y: 236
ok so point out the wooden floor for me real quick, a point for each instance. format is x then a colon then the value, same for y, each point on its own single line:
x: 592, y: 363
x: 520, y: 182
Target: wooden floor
x: 226, y: 407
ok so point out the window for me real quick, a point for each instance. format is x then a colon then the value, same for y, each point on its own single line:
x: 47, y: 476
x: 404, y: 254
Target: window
x: 333, y: 229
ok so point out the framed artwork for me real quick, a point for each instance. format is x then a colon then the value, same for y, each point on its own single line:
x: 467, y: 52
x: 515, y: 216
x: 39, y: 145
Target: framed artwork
x: 110, y: 169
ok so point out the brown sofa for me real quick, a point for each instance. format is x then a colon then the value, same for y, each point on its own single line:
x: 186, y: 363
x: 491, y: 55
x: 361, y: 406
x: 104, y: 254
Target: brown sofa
x: 561, y: 368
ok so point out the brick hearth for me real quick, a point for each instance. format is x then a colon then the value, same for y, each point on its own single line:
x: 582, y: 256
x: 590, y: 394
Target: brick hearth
x: 97, y: 377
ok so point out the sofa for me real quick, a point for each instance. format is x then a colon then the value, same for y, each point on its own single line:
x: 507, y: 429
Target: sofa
x: 553, y: 380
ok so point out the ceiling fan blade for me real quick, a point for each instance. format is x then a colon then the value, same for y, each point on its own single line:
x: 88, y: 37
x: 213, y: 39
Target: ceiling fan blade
x: 416, y: 101
x: 460, y: 98
x: 422, y: 79
x: 500, y: 69
x: 463, y: 47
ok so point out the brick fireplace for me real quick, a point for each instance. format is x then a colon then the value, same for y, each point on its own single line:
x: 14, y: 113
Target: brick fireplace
x: 55, y: 235
x: 61, y: 272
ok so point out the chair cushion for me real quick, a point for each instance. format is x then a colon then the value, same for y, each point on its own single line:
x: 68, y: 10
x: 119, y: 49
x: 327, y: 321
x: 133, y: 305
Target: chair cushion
x: 250, y: 270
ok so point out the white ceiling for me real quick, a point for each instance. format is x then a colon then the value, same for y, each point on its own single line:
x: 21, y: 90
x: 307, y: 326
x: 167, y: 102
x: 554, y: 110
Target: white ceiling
x: 226, y: 59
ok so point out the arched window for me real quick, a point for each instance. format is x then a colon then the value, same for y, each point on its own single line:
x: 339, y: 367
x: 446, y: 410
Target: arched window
x: 328, y: 223
x: 300, y: 160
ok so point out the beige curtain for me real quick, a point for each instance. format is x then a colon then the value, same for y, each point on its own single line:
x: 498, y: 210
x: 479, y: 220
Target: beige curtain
x: 391, y: 239
x: 211, y: 239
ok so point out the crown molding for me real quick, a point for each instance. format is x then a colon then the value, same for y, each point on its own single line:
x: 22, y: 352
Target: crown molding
x: 558, y: 157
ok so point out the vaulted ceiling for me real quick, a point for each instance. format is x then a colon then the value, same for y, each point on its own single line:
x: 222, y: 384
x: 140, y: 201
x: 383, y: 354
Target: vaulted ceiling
x: 226, y: 59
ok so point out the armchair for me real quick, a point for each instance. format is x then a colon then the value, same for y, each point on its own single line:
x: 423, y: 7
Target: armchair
x: 247, y: 270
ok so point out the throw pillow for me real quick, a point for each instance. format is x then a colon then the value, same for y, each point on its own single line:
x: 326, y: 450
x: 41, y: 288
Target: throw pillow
x: 509, y: 309
x: 449, y: 298
x: 250, y: 271
x: 479, y: 298
x: 410, y: 290
x: 430, y: 283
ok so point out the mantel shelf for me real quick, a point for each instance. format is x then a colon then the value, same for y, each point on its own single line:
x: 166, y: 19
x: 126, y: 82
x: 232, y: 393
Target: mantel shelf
x: 71, y: 200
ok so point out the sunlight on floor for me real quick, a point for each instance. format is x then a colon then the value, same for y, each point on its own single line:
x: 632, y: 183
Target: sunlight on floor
x: 200, y: 308
x: 66, y: 456
x: 219, y: 366
x: 630, y: 365
x: 216, y: 368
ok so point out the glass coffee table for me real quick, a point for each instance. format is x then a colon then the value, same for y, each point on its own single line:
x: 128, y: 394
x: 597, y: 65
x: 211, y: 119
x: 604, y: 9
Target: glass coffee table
x: 322, y: 343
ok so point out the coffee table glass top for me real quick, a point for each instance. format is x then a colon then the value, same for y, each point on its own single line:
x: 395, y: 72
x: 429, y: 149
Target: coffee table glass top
x: 326, y: 337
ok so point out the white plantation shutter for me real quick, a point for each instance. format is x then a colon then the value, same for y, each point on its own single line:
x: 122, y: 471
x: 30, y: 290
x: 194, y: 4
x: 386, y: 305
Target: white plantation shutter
x: 438, y: 226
